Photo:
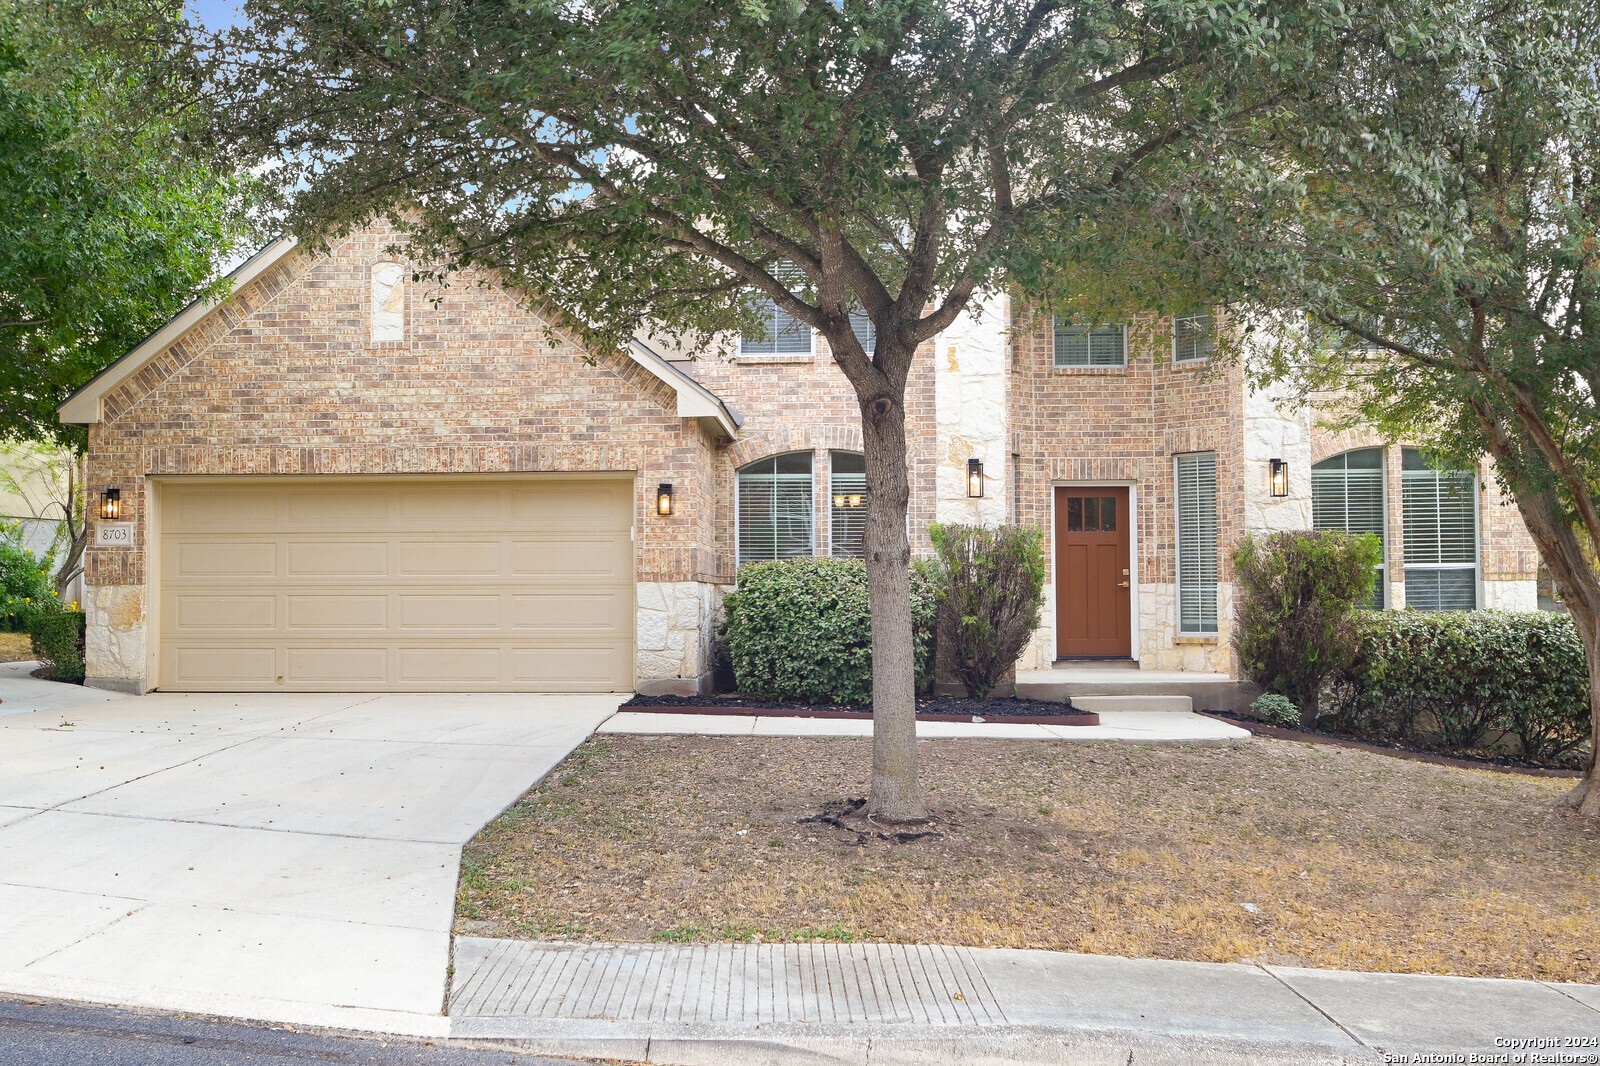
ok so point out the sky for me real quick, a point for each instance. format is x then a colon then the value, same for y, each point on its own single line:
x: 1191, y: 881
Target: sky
x: 215, y: 14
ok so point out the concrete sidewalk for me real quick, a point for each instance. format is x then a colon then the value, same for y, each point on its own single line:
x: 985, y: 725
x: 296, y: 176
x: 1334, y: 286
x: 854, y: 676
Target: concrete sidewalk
x: 1129, y: 727
x: 747, y: 1004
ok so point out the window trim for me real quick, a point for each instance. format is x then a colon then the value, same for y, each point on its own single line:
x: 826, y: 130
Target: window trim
x: 832, y: 473
x: 1055, y: 321
x: 738, y: 560
x: 1178, y: 555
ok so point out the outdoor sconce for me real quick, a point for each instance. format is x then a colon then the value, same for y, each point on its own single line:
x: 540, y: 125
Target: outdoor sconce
x: 1278, y: 477
x: 974, y: 478
x: 664, y: 499
x: 111, y: 504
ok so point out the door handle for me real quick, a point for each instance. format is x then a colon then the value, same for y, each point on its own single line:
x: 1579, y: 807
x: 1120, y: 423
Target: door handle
x: 1122, y: 584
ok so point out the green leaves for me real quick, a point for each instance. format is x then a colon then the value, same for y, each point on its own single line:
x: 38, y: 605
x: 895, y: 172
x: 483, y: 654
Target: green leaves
x: 111, y: 225
x: 801, y: 630
x: 991, y: 586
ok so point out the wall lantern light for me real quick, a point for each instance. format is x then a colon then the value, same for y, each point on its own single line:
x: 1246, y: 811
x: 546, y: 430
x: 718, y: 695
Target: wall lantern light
x: 664, y: 499
x: 974, y: 478
x: 1278, y: 477
x: 111, y: 504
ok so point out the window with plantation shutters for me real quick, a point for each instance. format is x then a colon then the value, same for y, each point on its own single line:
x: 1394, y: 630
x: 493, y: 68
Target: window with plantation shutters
x: 1347, y: 494
x: 783, y: 333
x: 1192, y: 339
x: 848, y: 511
x: 774, y: 510
x: 1441, y: 535
x: 1197, y: 542
x: 1090, y: 346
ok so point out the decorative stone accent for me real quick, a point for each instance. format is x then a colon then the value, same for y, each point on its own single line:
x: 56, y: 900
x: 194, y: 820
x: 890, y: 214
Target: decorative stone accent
x: 114, y: 635
x: 676, y: 627
x: 1511, y: 595
x: 1276, y: 426
x: 970, y: 399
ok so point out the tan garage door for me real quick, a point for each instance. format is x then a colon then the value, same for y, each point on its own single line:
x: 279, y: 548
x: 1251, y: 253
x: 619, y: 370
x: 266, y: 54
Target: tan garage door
x: 385, y: 584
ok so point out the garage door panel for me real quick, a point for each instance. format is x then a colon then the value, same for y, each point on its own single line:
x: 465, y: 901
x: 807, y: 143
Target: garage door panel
x: 210, y: 665
x: 451, y: 611
x: 595, y: 611
x: 396, y: 583
x: 592, y: 557
x: 324, y: 558
x: 323, y: 664
x: 350, y: 610
x: 447, y: 666
x: 453, y: 558
x: 343, y: 512
x: 201, y: 614
x: 224, y: 510
x: 228, y: 559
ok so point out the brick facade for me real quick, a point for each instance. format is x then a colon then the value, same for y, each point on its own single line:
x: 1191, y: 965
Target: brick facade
x: 285, y: 379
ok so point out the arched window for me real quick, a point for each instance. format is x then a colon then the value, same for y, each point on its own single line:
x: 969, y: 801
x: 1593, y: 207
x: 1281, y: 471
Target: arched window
x: 1347, y: 494
x: 1441, y: 535
x: 847, y: 526
x: 774, y: 508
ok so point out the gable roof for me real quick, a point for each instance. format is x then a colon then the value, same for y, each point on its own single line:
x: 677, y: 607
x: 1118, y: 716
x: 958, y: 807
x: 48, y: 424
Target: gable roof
x: 84, y: 406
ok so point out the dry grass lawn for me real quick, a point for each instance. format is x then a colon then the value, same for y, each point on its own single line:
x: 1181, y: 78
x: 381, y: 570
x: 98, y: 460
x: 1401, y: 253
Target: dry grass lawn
x: 1348, y: 859
x: 15, y: 648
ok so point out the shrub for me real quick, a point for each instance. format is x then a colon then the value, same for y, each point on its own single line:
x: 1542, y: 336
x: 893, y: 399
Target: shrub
x: 1467, y: 677
x: 991, y: 586
x: 1276, y: 710
x: 25, y: 585
x: 1296, y: 618
x: 801, y: 630
x: 58, y: 642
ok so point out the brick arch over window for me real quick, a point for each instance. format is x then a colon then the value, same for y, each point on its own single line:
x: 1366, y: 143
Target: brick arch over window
x: 775, y: 441
x: 1326, y: 445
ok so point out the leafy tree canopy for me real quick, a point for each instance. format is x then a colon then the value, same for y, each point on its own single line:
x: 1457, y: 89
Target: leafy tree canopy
x: 110, y: 223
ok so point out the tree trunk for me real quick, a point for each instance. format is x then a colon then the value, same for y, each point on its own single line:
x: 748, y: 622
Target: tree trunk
x: 1586, y: 796
x: 897, y: 794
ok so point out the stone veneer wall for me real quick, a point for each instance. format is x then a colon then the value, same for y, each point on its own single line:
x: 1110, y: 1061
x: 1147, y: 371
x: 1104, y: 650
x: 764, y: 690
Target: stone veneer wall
x: 285, y: 380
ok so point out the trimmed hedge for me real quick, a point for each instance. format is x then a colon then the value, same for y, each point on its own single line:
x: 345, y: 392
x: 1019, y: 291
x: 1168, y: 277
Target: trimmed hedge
x: 1467, y: 679
x: 801, y: 630
x: 58, y: 642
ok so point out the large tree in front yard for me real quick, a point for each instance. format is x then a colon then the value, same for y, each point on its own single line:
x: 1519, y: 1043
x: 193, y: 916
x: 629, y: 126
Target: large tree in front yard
x: 662, y: 161
x: 1445, y: 217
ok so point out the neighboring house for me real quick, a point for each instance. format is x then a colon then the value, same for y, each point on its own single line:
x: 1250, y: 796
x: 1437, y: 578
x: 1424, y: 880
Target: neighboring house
x: 33, y: 496
x: 336, y: 479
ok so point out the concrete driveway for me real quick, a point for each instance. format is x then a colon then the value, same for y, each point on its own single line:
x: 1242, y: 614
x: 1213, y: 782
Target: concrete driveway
x: 289, y: 857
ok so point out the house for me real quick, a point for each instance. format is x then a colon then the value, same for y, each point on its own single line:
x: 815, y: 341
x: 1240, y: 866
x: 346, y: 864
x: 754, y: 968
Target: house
x: 338, y: 479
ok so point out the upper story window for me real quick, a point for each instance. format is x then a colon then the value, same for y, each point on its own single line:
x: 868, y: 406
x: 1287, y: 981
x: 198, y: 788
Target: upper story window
x: 784, y: 334
x: 1090, y: 345
x: 1347, y: 494
x: 1441, y: 535
x: 848, y: 514
x: 1193, y: 338
x: 774, y: 510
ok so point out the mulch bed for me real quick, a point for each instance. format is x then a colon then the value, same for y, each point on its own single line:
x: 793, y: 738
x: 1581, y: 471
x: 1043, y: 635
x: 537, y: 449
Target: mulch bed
x: 1008, y: 709
x: 1317, y: 736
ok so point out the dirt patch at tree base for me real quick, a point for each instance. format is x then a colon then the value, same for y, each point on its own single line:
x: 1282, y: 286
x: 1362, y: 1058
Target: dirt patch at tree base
x: 1291, y: 853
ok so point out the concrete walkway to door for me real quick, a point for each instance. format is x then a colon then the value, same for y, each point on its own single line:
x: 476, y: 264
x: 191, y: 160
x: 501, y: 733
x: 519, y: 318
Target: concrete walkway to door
x: 289, y: 857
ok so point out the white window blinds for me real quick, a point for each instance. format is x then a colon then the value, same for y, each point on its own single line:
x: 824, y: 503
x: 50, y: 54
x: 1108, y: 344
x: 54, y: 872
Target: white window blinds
x: 865, y: 331
x: 1197, y: 542
x: 1347, y: 494
x: 775, y: 509
x: 1441, y: 535
x: 783, y: 334
x: 1083, y: 346
x: 1192, y: 339
x: 848, y: 514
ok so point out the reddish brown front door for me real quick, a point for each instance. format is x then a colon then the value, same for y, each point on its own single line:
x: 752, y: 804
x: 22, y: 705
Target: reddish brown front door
x: 1093, y: 584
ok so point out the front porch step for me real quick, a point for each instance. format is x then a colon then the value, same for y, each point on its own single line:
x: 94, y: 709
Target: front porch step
x: 1200, y: 692
x: 1097, y: 704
